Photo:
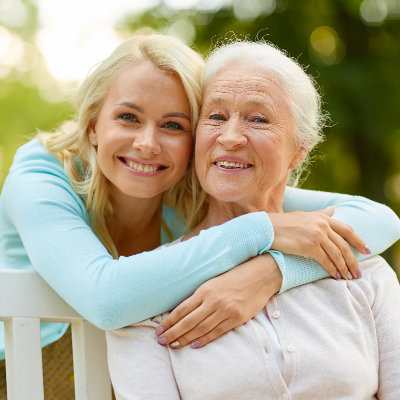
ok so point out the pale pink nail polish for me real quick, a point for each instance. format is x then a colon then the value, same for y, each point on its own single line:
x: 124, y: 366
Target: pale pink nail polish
x: 367, y: 250
x: 159, y: 331
x: 338, y: 276
x: 162, y: 341
x: 195, y: 344
x: 359, y: 274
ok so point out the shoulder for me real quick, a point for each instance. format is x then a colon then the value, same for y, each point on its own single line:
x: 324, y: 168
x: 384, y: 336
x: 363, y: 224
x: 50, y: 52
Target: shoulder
x: 380, y: 278
x: 36, y: 177
x: 376, y: 270
x: 33, y: 157
x: 378, y: 285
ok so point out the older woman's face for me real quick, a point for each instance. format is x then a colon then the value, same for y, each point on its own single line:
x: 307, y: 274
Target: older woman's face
x: 245, y: 144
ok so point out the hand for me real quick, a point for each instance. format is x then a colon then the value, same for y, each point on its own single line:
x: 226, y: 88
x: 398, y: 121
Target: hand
x: 222, y: 304
x: 316, y: 235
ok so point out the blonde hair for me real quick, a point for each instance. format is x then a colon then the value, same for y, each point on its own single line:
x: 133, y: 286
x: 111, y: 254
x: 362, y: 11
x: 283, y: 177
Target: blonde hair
x: 71, y: 145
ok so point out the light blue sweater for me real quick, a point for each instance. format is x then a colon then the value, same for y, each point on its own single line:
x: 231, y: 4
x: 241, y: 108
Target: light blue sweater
x: 45, y: 225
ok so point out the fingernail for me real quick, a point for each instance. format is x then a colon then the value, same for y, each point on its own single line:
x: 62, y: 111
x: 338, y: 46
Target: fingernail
x: 349, y: 276
x: 338, y: 276
x: 195, y: 344
x: 359, y: 274
x: 160, y: 330
x: 367, y: 250
x: 162, y: 341
x: 174, y: 344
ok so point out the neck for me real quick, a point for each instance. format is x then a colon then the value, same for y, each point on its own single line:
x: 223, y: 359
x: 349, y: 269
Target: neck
x: 221, y: 211
x: 135, y: 223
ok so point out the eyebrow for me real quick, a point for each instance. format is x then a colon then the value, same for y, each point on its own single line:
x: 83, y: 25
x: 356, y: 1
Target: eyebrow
x: 176, y: 114
x: 141, y: 110
x: 215, y: 100
x: 130, y: 105
x: 219, y: 101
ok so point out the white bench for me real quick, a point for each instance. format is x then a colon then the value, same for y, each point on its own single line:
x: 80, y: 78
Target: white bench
x: 25, y: 300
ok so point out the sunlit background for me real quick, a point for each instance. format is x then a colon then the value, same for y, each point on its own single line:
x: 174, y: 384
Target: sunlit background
x: 352, y: 48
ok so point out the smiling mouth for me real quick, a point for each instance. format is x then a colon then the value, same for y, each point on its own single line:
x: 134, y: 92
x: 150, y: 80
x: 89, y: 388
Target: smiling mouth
x: 232, y: 165
x: 145, y: 168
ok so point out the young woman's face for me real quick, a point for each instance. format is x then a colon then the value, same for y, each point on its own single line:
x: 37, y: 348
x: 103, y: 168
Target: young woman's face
x: 143, y: 132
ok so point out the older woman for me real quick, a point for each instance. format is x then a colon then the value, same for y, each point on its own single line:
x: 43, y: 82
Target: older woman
x: 332, y: 340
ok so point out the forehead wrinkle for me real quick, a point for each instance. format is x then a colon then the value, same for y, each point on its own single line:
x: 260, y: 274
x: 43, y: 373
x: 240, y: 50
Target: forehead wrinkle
x: 261, y: 99
x: 253, y: 88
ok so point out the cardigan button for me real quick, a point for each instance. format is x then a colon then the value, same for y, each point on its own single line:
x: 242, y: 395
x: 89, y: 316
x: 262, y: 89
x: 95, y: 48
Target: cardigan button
x: 276, y: 314
x: 290, y: 348
x: 285, y: 396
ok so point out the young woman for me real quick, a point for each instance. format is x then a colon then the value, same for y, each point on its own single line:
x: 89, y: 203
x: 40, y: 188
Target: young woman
x: 84, y: 205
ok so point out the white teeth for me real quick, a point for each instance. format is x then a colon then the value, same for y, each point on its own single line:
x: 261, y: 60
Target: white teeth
x: 227, y: 164
x: 141, y: 168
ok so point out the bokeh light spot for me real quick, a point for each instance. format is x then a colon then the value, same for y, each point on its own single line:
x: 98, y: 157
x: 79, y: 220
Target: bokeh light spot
x: 373, y: 12
x: 326, y: 46
x: 251, y: 9
x: 392, y: 188
x: 13, y: 13
x: 183, y: 29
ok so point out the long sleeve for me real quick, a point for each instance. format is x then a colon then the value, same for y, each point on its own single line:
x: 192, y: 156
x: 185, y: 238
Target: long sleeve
x: 39, y: 208
x: 376, y: 223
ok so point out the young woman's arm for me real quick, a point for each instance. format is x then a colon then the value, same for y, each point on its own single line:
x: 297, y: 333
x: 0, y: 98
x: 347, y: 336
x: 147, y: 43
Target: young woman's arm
x: 376, y: 223
x: 44, y: 224
x: 200, y: 319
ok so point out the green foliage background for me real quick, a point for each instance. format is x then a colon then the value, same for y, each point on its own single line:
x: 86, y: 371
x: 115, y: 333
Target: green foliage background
x: 359, y: 80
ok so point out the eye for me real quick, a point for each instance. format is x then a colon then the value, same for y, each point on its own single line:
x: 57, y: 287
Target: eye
x: 128, y: 117
x: 175, y: 126
x: 260, y: 120
x: 217, y: 117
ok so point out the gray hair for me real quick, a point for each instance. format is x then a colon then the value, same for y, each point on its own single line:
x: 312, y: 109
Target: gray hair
x: 304, y: 99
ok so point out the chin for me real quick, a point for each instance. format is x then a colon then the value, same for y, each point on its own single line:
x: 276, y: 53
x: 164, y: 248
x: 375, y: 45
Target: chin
x: 227, y: 196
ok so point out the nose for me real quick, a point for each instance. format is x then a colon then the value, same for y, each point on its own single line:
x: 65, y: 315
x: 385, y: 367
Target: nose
x: 232, y: 135
x: 147, y: 141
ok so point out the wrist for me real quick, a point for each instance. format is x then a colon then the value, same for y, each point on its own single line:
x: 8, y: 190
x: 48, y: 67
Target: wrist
x: 273, y: 273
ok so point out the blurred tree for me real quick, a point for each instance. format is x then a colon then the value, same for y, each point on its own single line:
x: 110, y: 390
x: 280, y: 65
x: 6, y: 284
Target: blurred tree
x: 25, y: 86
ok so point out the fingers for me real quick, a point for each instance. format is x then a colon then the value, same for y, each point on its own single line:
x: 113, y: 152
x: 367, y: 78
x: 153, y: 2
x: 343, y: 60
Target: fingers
x: 327, y: 211
x: 219, y: 330
x: 202, y: 330
x: 184, y: 326
x: 341, y: 256
x: 350, y: 262
x: 177, y: 315
x: 350, y: 235
x: 323, y: 258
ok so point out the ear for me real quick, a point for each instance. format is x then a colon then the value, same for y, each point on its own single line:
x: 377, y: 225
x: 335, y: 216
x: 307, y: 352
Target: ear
x: 92, y: 134
x: 299, y: 157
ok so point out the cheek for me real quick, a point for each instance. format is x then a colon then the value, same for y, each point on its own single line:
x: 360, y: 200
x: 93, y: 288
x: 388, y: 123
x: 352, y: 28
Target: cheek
x: 201, y: 155
x: 182, y: 151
